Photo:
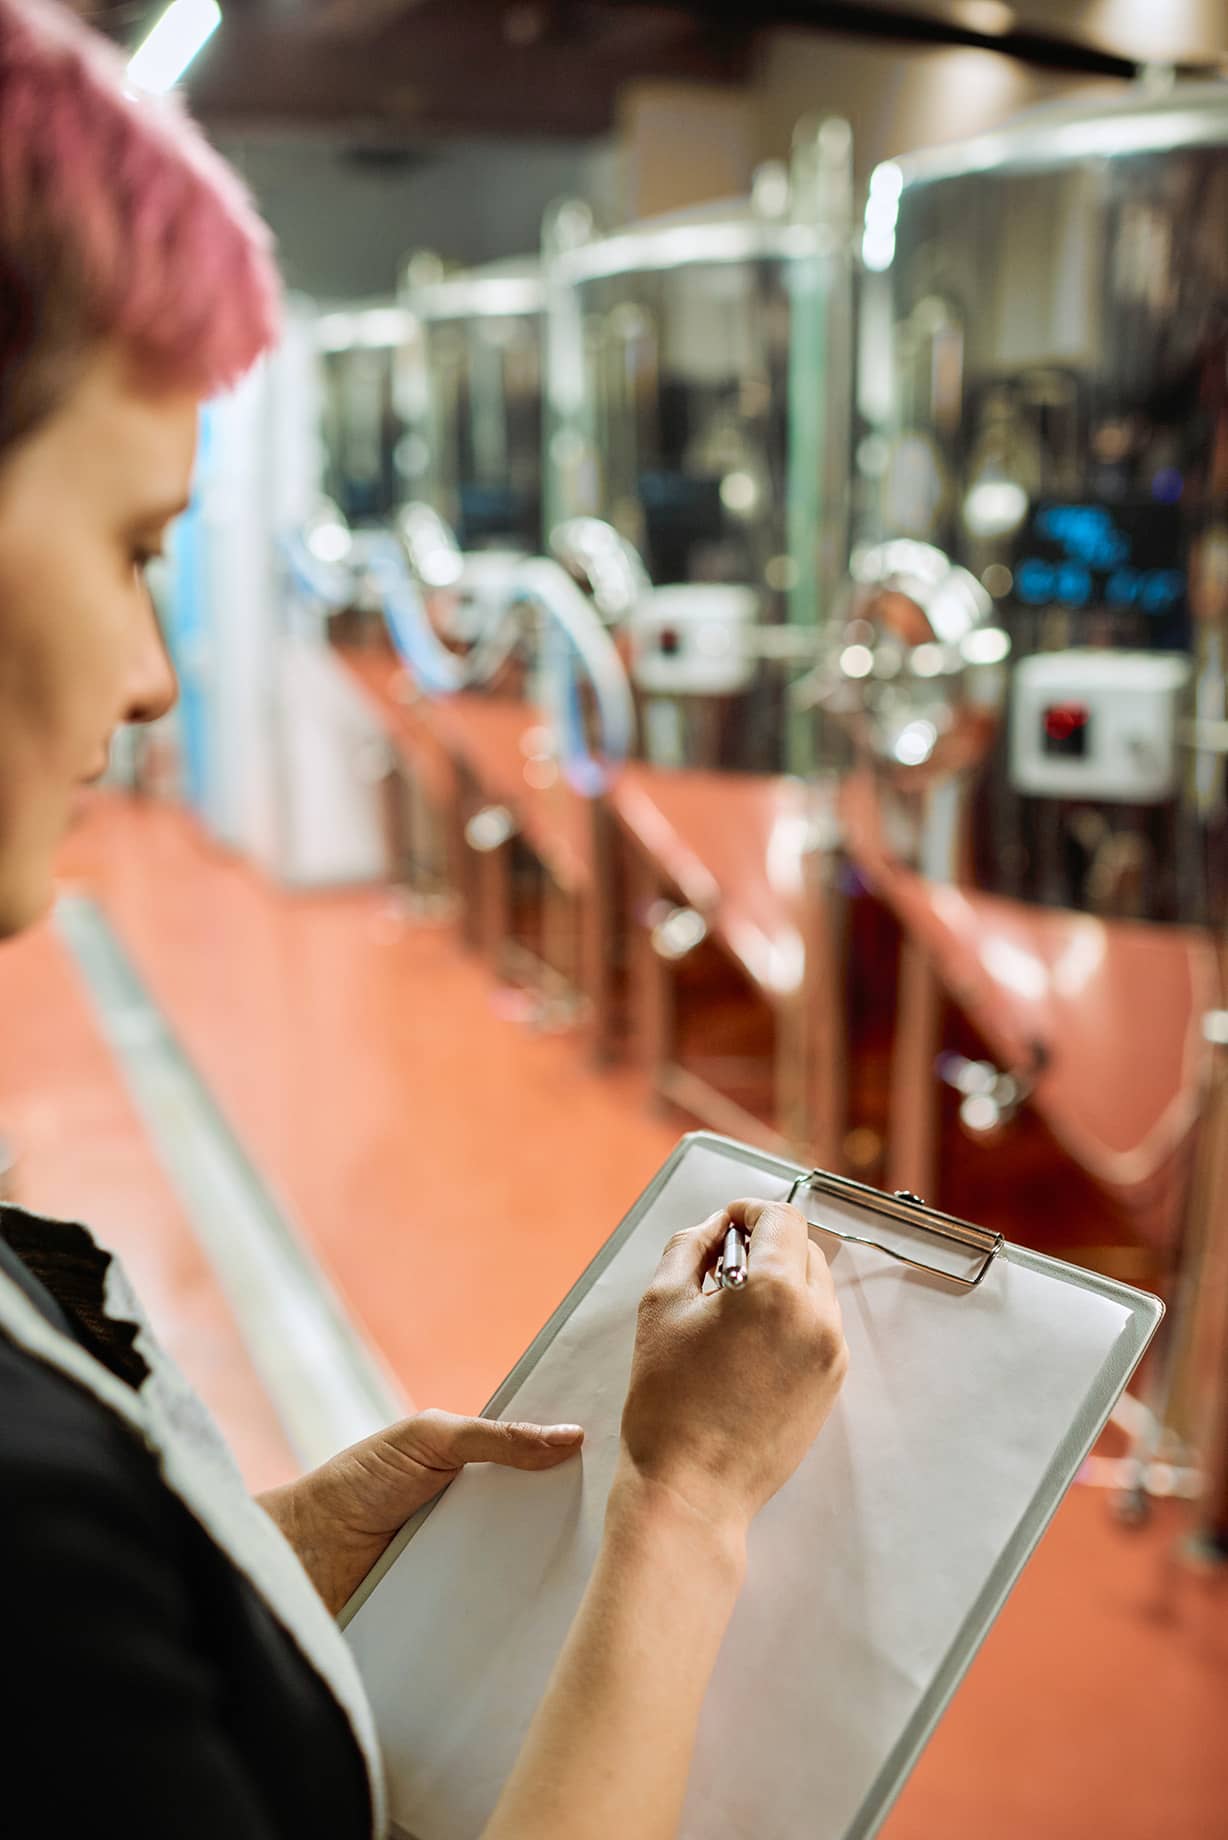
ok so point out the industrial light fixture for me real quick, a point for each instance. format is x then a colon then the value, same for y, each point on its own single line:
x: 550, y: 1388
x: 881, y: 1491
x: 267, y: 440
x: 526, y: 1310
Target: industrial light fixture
x: 992, y: 17
x: 173, y: 42
x: 882, y: 209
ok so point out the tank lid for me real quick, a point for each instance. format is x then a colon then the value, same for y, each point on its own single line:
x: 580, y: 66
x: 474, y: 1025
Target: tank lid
x: 1070, y: 133
x: 680, y: 241
x: 493, y: 290
x: 374, y: 325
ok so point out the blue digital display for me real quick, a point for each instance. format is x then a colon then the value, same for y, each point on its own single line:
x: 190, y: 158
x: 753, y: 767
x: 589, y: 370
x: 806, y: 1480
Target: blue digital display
x: 1084, y: 533
x: 1122, y: 558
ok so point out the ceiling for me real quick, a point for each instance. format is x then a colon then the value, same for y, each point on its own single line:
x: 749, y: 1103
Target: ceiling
x: 422, y: 70
x: 1182, y: 32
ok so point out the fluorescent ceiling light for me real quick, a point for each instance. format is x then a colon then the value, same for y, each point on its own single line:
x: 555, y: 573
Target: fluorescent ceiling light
x: 992, y: 17
x: 184, y: 27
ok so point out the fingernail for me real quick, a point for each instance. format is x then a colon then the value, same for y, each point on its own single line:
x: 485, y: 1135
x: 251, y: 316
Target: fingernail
x: 562, y: 1434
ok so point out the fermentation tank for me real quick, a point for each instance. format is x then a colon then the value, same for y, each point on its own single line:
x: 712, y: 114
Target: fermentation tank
x: 362, y: 427
x: 673, y: 426
x: 1059, y: 430
x: 472, y: 400
x: 1026, y: 679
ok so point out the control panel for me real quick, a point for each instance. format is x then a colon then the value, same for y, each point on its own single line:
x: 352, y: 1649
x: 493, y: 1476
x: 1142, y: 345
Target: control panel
x: 1092, y: 724
x: 1124, y: 560
x: 694, y: 639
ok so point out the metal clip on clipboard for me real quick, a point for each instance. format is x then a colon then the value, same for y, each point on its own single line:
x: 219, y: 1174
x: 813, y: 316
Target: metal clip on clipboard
x: 979, y: 1244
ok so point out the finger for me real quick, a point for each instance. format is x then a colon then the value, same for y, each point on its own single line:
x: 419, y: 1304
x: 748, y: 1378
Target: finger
x: 779, y: 1236
x: 508, y: 1442
x: 689, y: 1255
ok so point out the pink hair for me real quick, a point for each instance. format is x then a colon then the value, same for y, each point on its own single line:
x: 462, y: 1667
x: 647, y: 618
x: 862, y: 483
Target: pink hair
x: 117, y: 220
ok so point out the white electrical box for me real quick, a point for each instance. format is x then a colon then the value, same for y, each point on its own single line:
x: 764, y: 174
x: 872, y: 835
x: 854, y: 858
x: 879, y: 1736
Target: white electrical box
x: 694, y: 639
x: 1092, y: 724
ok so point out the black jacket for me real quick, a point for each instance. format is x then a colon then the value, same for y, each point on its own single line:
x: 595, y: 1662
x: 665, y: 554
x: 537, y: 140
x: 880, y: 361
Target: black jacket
x: 151, y: 1692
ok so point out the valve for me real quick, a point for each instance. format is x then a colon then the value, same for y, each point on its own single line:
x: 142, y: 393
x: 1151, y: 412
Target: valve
x: 677, y: 932
x: 991, y: 1097
x: 489, y: 829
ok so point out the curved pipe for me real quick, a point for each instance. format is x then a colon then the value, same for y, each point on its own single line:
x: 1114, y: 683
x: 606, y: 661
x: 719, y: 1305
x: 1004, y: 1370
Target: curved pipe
x: 431, y: 558
x: 430, y: 545
x: 439, y: 671
x: 951, y: 598
x: 574, y: 634
x: 382, y: 561
x: 330, y: 583
x: 613, y: 570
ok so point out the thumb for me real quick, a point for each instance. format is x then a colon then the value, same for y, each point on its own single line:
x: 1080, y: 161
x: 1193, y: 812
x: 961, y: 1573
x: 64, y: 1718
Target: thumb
x: 690, y: 1253
x: 514, y: 1445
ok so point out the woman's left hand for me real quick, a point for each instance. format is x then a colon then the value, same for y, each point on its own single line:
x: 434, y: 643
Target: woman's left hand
x: 340, y: 1517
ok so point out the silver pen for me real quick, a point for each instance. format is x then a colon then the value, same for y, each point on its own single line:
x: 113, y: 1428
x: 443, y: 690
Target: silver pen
x: 732, y: 1267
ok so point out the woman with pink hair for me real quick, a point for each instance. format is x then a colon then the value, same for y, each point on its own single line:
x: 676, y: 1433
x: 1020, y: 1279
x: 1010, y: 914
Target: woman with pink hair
x: 173, y: 1664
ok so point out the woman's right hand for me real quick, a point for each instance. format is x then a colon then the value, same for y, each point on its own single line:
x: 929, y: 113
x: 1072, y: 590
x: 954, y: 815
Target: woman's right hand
x: 729, y: 1390
x: 727, y: 1393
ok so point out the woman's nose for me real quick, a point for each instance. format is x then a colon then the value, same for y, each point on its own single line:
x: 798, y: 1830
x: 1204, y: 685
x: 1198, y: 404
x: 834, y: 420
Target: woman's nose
x: 153, y: 687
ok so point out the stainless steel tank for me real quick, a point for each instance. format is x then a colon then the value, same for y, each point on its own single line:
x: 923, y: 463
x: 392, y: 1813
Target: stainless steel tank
x: 362, y: 427
x: 472, y: 400
x: 674, y: 422
x: 1056, y: 427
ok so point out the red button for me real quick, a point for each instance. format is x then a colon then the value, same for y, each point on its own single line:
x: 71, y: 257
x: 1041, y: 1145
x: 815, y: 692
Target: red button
x: 1065, y: 719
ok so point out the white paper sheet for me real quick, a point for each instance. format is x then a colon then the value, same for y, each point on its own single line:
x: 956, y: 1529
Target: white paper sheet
x: 861, y: 1571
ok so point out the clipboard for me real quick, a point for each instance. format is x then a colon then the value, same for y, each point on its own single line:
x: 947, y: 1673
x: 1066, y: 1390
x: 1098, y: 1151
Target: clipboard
x: 981, y: 1375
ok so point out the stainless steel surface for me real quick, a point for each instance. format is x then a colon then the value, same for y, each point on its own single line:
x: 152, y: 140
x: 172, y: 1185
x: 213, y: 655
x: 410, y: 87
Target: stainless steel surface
x: 671, y: 398
x: 604, y: 562
x: 471, y: 397
x: 678, y: 933
x: 990, y: 1096
x: 911, y: 679
x: 363, y: 427
x: 1156, y: 119
x: 490, y: 828
x: 430, y: 545
x: 684, y: 341
x: 1058, y: 307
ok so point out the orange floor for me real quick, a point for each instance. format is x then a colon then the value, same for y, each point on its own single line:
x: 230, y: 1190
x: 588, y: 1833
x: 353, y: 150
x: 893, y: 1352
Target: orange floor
x: 454, y: 1173
x: 426, y: 1146
x: 81, y: 1153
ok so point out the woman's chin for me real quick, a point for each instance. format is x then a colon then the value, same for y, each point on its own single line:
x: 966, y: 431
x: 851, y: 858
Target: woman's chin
x: 24, y: 900
x: 84, y: 800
